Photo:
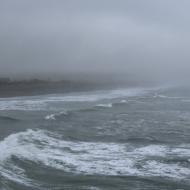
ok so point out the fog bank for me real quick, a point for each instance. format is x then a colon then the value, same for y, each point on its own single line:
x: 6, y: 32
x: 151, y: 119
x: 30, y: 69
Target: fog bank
x: 142, y: 40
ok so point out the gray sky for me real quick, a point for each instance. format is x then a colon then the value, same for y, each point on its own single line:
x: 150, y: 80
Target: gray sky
x: 136, y: 37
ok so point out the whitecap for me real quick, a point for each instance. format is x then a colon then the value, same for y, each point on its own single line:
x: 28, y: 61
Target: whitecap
x: 109, y: 105
x: 54, y: 115
x: 45, y: 102
x: 50, y: 117
x: 166, y: 97
x: 123, y: 101
x: 91, y: 157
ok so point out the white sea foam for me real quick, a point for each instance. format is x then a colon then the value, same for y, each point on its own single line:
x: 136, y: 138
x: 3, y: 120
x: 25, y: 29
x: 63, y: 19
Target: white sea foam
x: 167, y: 97
x: 90, y: 157
x: 46, y: 101
x: 50, y: 117
x: 109, y: 105
x: 90, y: 188
x: 123, y: 101
x: 54, y: 115
x: 23, y: 104
x: 186, y: 100
x: 171, y: 170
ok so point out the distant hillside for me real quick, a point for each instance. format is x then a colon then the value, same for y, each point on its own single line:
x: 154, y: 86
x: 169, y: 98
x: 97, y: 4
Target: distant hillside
x: 10, y: 88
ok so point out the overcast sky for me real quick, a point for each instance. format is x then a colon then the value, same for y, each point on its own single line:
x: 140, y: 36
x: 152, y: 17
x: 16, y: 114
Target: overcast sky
x: 136, y: 37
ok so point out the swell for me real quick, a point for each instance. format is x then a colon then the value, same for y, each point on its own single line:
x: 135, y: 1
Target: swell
x: 57, y: 115
x: 50, y: 101
x: 91, y: 158
x: 144, y: 140
x: 8, y: 119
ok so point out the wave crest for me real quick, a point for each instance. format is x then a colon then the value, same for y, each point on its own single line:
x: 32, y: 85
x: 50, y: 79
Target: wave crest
x: 91, y: 157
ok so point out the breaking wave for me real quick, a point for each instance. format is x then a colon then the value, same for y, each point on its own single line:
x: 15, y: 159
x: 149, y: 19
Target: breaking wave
x: 109, y: 105
x: 89, y: 158
x: 47, y: 101
x: 8, y: 119
x: 53, y: 116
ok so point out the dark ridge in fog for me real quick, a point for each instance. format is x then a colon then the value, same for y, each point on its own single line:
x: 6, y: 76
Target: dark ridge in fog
x: 29, y: 87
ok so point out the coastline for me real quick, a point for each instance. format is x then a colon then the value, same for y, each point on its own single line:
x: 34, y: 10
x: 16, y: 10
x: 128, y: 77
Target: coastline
x: 40, y: 87
x: 32, y: 89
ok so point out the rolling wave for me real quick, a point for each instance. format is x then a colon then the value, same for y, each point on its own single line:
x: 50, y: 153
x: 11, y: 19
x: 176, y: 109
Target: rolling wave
x: 90, y: 158
x: 109, y: 105
x: 123, y: 101
x: 45, y: 102
x: 53, y: 116
x: 167, y: 97
x: 8, y: 119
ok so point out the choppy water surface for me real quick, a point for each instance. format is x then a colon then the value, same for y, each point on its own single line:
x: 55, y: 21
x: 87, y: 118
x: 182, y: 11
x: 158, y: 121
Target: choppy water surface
x: 134, y: 139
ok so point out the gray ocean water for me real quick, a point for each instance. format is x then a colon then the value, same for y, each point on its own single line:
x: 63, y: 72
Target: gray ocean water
x: 135, y: 139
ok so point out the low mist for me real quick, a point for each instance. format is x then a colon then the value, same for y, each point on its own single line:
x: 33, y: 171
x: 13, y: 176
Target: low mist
x: 90, y: 40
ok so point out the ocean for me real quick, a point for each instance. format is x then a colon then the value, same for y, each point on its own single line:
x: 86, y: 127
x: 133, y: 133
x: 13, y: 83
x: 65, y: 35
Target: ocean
x: 126, y: 138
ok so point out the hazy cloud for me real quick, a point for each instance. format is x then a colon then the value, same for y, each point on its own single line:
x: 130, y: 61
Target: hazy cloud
x: 148, y: 37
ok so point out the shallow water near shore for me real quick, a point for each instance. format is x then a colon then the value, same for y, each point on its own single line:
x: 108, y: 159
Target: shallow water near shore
x: 135, y: 138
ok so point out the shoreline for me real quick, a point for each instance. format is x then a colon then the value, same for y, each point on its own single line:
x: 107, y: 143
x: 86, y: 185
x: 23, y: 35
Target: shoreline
x: 37, y: 87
